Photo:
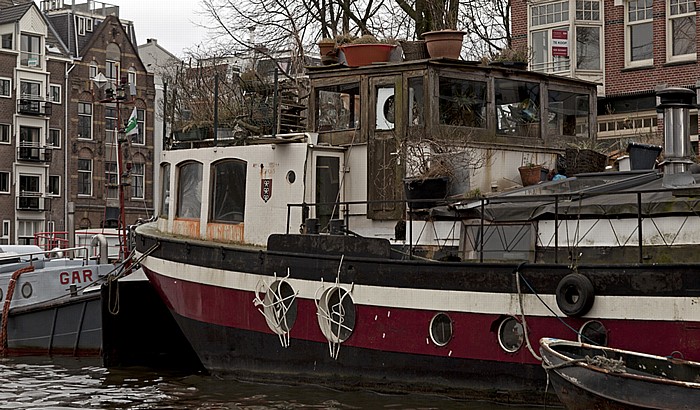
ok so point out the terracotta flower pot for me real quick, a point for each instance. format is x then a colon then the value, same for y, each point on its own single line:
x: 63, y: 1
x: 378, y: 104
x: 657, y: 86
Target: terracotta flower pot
x: 444, y: 43
x: 358, y: 55
x: 530, y: 175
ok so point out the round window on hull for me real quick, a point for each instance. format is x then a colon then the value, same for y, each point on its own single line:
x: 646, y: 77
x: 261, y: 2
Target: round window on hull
x: 441, y: 329
x: 593, y: 332
x: 27, y: 290
x: 511, y: 334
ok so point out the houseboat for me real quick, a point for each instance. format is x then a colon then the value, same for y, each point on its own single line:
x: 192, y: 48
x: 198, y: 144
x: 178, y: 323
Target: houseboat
x: 297, y: 258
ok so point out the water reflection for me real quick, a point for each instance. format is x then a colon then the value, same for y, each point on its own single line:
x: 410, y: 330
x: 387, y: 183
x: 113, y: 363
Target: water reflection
x: 40, y: 383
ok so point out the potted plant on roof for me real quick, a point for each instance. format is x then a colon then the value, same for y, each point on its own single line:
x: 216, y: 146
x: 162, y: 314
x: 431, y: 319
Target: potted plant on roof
x: 366, y: 50
x: 531, y: 173
x: 327, y: 50
x: 515, y: 57
x: 443, y: 40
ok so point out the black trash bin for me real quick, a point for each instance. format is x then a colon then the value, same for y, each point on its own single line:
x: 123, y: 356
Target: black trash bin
x: 643, y: 156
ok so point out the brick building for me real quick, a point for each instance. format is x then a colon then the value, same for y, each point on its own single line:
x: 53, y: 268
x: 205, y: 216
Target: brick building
x: 630, y: 47
x: 57, y: 139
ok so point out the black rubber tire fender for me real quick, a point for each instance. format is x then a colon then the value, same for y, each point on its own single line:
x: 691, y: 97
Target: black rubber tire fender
x: 575, y: 295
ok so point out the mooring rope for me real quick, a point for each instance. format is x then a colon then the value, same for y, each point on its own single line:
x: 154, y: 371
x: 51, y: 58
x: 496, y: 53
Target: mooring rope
x: 6, y: 308
x: 522, y: 314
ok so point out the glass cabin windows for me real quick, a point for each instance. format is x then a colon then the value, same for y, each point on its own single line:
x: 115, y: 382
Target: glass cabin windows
x: 189, y: 190
x: 517, y: 108
x: 338, y: 107
x: 228, y: 191
x: 462, y: 102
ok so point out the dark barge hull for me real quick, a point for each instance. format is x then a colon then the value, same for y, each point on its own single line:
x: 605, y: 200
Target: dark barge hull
x: 71, y: 327
x: 210, y: 291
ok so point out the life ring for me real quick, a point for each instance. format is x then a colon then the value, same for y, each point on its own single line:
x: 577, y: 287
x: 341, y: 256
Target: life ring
x: 575, y: 295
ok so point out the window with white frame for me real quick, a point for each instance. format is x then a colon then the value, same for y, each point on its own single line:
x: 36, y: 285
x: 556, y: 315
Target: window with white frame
x: 5, y: 135
x: 639, y: 33
x: 681, y: 44
x: 85, y: 177
x: 5, y: 87
x: 85, y: 120
x: 588, y: 48
x: 110, y: 123
x: 30, y: 47
x: 132, y: 76
x: 80, y: 25
x: 549, y: 24
x: 137, y: 173
x: 111, y: 180
x: 140, y: 137
x: 4, y: 182
x: 88, y: 24
x: 5, y: 239
x: 93, y: 69
x: 30, y: 90
x: 53, y: 138
x: 6, y: 41
x: 55, y: 93
x: 54, y: 188
x: 112, y: 71
x: 26, y: 230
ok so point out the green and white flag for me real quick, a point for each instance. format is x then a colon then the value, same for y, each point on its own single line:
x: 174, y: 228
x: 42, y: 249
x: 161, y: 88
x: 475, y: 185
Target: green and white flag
x: 132, y: 127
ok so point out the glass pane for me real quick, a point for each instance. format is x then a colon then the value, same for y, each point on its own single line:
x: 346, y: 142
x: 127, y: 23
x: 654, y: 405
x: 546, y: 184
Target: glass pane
x: 588, y: 48
x: 338, y: 107
x: 228, y: 203
x: 641, y: 38
x: 165, y: 191
x: 416, y: 101
x: 462, y: 102
x: 684, y: 31
x: 568, y: 114
x: 327, y: 189
x: 189, y: 196
x: 385, y: 109
x: 539, y: 50
x: 517, y: 108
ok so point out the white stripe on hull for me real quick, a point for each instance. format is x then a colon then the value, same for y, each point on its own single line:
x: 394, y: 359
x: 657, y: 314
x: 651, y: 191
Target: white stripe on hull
x: 605, y: 307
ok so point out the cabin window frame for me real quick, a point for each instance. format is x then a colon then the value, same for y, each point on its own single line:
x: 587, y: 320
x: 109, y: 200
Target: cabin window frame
x: 235, y: 194
x: 189, y: 190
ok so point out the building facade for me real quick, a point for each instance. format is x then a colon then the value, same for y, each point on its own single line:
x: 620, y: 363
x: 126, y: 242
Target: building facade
x: 58, y: 160
x: 632, y: 48
x: 105, y: 60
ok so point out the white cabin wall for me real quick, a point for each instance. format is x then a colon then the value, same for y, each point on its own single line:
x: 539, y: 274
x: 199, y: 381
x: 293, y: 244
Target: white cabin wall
x: 500, y: 167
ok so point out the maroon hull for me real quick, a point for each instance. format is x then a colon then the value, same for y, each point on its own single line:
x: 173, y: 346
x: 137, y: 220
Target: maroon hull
x: 474, y: 334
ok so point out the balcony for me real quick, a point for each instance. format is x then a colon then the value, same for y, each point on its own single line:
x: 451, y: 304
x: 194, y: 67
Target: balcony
x: 32, y: 201
x: 33, y: 105
x: 32, y: 151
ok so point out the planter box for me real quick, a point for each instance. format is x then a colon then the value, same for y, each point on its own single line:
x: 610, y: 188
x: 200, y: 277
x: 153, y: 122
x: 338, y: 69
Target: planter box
x: 358, y: 55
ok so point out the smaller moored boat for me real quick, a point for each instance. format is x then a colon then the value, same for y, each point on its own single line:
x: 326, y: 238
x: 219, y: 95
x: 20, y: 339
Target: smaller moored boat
x: 593, y: 377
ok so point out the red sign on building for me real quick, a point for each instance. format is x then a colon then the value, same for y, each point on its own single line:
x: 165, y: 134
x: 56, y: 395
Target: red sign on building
x: 560, y: 43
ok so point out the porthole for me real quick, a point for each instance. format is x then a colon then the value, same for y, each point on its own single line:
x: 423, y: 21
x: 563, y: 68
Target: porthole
x: 510, y: 334
x: 27, y: 290
x: 441, y: 329
x: 593, y: 332
x: 336, y: 314
x: 291, y: 177
x: 280, y: 307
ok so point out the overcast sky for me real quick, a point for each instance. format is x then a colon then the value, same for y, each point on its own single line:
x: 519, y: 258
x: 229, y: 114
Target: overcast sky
x: 174, y: 23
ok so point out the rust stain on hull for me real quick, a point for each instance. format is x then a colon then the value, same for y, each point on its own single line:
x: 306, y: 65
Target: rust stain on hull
x: 225, y: 232
x: 186, y: 227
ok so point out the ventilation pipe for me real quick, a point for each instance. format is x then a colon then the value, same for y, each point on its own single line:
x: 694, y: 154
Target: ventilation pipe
x: 676, y: 103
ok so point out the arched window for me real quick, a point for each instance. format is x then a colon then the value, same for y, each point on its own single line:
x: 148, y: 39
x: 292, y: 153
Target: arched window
x: 112, y: 62
x: 165, y: 190
x: 228, y: 191
x: 189, y: 190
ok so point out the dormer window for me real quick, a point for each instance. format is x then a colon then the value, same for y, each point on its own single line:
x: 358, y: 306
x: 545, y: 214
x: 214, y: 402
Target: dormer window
x: 30, y: 46
x: 80, y: 25
x: 7, y: 41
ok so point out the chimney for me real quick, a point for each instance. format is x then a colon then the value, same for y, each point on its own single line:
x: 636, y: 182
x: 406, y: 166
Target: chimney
x: 676, y: 103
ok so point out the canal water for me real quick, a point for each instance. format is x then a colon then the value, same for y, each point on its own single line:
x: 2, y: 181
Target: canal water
x: 67, y: 383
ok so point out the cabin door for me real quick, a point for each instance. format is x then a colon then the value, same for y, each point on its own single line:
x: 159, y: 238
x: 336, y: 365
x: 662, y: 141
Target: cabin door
x: 328, y: 185
x: 386, y: 125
